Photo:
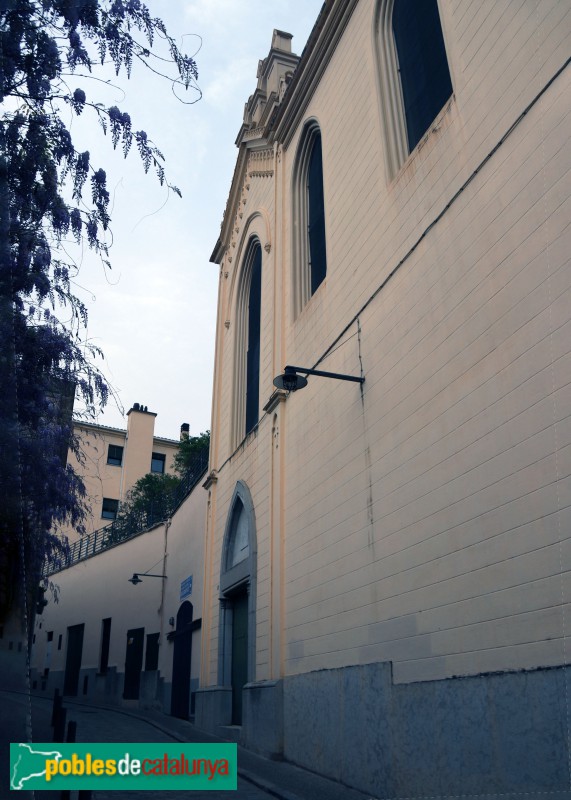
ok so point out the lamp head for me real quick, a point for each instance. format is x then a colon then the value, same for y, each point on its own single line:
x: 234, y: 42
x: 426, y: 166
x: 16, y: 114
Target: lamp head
x: 135, y: 579
x: 290, y: 380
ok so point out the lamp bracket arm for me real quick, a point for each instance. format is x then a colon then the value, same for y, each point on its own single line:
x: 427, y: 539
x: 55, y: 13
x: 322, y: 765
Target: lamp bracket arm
x: 322, y: 374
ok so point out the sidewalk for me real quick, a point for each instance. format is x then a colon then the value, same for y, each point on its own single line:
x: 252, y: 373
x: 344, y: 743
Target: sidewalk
x: 278, y: 778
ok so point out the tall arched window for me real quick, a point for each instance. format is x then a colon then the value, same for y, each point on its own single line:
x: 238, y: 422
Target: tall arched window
x: 414, y: 78
x: 316, y: 216
x: 309, y: 248
x: 253, y: 350
x: 247, y: 343
x: 423, y: 66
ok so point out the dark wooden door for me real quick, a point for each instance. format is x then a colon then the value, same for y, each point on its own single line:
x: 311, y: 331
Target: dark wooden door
x: 181, y: 661
x: 239, y: 653
x: 73, y: 659
x: 133, y: 663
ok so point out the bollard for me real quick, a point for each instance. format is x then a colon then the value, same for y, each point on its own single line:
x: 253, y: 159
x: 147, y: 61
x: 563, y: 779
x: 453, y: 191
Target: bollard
x: 71, y: 731
x: 56, y: 706
x: 59, y: 725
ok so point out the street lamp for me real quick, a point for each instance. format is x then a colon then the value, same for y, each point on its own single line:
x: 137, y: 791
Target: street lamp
x: 291, y: 381
x: 135, y: 579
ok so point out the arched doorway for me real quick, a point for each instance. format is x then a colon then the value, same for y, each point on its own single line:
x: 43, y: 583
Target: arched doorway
x: 237, y: 643
x: 181, y: 661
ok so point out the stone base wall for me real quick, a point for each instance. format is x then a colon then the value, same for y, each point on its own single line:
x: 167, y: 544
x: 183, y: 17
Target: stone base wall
x: 495, y: 734
x: 491, y: 734
x: 154, y: 691
x: 213, y: 708
x: 262, y: 718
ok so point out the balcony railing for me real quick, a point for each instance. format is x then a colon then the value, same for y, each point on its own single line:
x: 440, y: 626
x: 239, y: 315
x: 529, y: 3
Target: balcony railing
x: 134, y: 523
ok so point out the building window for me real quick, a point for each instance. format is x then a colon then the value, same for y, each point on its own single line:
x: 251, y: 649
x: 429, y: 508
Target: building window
x: 247, y: 343
x: 110, y: 508
x: 115, y: 455
x: 309, y: 248
x: 158, y: 463
x: 253, y: 351
x: 238, y: 547
x: 423, y: 67
x: 413, y: 72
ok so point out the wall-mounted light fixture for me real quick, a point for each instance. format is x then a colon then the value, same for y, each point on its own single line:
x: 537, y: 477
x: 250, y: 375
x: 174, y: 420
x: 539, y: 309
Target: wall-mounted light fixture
x: 135, y: 579
x: 291, y: 381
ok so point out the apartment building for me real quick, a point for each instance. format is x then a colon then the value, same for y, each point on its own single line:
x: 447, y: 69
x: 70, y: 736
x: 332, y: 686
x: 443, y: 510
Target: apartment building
x: 113, y: 460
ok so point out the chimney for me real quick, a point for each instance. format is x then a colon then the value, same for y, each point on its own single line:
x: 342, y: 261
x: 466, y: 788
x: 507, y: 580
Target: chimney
x: 184, y: 431
x: 140, y: 408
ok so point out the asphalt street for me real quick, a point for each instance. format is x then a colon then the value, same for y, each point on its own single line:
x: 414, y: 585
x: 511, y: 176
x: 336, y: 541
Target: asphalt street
x: 258, y: 778
x: 95, y: 725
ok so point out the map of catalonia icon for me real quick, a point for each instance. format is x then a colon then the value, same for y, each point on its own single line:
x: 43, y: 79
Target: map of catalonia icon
x: 29, y: 763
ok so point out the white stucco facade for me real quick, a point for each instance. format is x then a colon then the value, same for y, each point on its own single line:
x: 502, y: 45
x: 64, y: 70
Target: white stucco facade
x: 417, y: 523
x: 98, y: 588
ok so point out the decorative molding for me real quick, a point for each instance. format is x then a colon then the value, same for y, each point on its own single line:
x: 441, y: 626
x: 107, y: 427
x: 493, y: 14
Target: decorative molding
x: 253, y: 133
x: 261, y: 163
x: 277, y: 397
x: 318, y: 51
x: 267, y: 247
x: 210, y: 480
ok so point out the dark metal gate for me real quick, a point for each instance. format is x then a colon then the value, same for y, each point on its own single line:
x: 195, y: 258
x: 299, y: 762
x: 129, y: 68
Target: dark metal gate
x: 133, y: 663
x: 73, y: 659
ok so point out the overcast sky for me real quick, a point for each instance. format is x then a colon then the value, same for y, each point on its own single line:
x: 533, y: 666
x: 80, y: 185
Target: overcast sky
x: 154, y: 315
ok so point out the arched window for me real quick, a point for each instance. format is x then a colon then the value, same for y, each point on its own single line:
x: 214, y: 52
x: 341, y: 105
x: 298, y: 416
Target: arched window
x: 253, y: 351
x: 423, y: 67
x: 238, y: 548
x: 316, y: 216
x: 309, y: 248
x: 413, y: 72
x: 247, y: 344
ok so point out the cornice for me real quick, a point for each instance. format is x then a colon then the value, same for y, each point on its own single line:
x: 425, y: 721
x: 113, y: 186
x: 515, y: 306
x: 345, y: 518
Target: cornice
x: 279, y: 122
x: 316, y: 55
x: 231, y: 203
x: 255, y: 160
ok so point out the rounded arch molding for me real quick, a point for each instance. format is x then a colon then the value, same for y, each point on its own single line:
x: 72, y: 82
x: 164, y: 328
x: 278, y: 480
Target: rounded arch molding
x: 256, y: 227
x: 389, y: 92
x: 233, y: 575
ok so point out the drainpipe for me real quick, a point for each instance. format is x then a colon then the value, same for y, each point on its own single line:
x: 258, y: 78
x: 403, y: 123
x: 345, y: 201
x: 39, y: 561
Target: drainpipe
x: 168, y: 523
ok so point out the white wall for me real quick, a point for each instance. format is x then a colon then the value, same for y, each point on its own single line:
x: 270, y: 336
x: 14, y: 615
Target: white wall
x: 426, y: 522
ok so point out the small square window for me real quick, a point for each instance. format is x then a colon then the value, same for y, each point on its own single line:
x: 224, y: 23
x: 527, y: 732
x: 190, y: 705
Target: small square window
x: 158, y: 463
x: 50, y: 635
x: 110, y: 508
x: 115, y: 455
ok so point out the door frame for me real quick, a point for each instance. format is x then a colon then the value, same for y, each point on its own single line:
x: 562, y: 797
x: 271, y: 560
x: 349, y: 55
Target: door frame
x: 235, y: 580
